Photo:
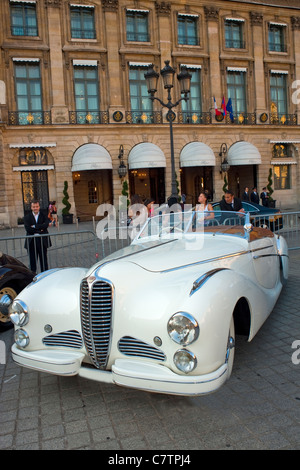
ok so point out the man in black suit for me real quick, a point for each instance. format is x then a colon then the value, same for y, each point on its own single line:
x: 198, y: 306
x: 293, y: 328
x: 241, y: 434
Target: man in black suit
x: 36, y: 223
x: 254, y: 196
x: 230, y: 203
x: 264, y: 197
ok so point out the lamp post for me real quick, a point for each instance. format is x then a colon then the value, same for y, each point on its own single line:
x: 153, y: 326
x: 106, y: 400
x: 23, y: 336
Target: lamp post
x: 224, y: 162
x: 122, y: 170
x: 184, y: 79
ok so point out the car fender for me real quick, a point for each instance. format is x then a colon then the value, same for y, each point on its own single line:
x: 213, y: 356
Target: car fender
x: 53, y: 300
x: 282, y: 248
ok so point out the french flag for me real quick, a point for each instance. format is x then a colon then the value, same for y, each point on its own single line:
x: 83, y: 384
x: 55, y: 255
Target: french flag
x: 217, y: 112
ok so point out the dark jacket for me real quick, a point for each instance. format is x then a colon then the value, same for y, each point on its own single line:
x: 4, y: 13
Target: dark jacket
x: 40, y: 227
x: 254, y: 197
x: 237, y: 205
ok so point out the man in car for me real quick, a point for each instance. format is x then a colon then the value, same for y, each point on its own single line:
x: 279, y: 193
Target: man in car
x: 230, y: 203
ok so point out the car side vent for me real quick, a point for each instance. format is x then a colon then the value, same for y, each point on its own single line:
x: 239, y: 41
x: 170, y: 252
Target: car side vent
x: 66, y: 339
x: 134, y: 347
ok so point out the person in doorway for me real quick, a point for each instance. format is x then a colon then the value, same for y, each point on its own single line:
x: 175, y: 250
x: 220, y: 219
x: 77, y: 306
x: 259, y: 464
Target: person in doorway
x: 53, y: 213
x: 264, y: 197
x: 254, y: 197
x: 246, y: 194
x: 36, y: 224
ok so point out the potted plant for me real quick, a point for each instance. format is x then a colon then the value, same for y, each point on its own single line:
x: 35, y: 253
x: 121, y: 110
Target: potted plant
x: 271, y: 201
x: 67, y: 217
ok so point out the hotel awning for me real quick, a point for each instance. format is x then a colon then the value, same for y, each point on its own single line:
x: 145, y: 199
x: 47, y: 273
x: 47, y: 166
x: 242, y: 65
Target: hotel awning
x: 197, y: 154
x: 243, y: 153
x: 146, y: 155
x: 91, y: 157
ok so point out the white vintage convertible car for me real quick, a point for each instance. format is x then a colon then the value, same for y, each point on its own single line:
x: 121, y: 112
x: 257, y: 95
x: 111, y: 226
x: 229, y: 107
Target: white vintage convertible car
x: 160, y: 315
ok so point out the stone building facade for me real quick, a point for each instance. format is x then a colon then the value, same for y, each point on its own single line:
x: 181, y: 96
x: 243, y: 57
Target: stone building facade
x: 74, y: 104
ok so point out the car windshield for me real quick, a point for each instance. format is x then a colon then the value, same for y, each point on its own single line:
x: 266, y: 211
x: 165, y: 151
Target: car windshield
x: 178, y: 223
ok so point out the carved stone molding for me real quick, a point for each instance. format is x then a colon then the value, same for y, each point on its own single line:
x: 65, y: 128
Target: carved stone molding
x: 295, y: 23
x: 52, y: 3
x: 211, y: 13
x: 256, y: 18
x: 110, y: 5
x: 163, y: 8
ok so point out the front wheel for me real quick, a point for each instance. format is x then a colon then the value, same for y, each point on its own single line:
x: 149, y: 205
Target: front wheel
x: 5, y: 322
x: 230, y: 348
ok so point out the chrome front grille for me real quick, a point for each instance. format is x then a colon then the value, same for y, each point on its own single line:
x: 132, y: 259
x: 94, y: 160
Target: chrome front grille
x: 96, y: 312
x: 135, y: 347
x: 65, y: 339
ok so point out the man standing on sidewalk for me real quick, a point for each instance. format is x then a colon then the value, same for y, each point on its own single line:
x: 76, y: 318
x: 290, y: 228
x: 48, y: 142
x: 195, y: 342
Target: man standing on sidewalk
x: 36, y: 224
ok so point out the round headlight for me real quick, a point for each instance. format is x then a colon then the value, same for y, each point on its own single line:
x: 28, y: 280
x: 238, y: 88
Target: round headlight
x: 21, y: 338
x: 183, y: 328
x: 19, y: 313
x: 185, y: 360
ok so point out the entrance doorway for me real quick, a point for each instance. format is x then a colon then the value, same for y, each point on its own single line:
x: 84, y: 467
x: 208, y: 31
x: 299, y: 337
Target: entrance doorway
x: 195, y: 179
x: 35, y: 186
x: 91, y: 188
x: 148, y: 183
x: 241, y: 176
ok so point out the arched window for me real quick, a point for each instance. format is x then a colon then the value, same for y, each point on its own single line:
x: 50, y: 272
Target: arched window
x: 93, y: 194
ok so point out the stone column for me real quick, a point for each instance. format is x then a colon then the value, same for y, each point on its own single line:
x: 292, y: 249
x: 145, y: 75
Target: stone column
x: 212, y: 23
x: 110, y: 9
x: 296, y: 84
x: 59, y: 110
x: 259, y: 72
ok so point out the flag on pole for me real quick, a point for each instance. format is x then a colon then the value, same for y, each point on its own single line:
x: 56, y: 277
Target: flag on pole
x: 217, y: 112
x: 230, y: 110
x: 223, y: 107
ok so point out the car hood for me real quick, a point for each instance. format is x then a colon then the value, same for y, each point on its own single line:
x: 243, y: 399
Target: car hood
x: 169, y: 254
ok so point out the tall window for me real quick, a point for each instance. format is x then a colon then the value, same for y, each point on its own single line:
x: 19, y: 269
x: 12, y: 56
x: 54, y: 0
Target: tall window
x: 234, y: 34
x: 86, y: 88
x: 282, y: 176
x: 188, y: 30
x: 278, y: 94
x: 137, y: 26
x: 82, y: 23
x: 194, y: 104
x: 277, y: 37
x: 141, y: 105
x: 92, y: 189
x: 23, y: 19
x: 236, y: 89
x: 28, y: 92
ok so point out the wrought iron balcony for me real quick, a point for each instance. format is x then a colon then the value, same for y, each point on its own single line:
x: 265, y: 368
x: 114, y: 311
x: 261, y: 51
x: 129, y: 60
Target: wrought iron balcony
x: 143, y: 117
x: 283, y: 119
x: 193, y: 117
x: 29, y: 118
x: 89, y: 117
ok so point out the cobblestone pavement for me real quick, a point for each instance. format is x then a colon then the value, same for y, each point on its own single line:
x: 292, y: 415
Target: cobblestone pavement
x: 259, y: 408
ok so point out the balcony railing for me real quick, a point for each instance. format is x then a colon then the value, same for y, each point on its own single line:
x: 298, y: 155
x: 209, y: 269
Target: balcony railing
x: 89, y: 117
x: 28, y: 118
x: 143, y: 117
x: 193, y: 117
x: 283, y: 119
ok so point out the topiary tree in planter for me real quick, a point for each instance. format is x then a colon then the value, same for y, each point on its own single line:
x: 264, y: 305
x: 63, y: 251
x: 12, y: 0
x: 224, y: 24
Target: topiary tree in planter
x: 67, y: 217
x: 271, y: 201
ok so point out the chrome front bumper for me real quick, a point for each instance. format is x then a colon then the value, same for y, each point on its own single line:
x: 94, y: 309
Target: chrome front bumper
x: 125, y: 372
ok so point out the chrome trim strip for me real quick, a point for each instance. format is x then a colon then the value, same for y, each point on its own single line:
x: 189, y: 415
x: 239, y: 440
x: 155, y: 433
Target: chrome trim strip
x: 205, y: 277
x: 210, y: 260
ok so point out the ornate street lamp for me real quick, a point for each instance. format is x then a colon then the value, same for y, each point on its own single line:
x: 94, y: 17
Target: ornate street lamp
x: 184, y: 79
x: 224, y: 162
x: 122, y: 170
